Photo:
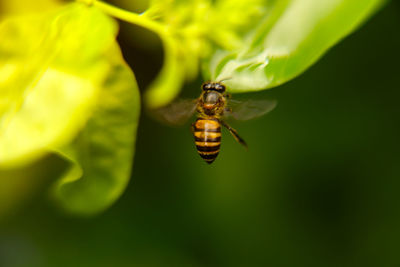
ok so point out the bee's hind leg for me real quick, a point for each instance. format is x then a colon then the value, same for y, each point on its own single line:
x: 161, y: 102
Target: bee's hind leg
x: 234, y: 133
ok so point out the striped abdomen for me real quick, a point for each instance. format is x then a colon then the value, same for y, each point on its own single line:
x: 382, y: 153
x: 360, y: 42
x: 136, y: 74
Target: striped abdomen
x: 207, y: 135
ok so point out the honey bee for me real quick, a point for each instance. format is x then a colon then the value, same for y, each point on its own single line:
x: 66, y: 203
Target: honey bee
x: 213, y: 106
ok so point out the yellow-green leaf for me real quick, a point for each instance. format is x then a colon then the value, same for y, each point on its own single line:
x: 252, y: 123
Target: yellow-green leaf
x: 51, y: 69
x: 102, y: 154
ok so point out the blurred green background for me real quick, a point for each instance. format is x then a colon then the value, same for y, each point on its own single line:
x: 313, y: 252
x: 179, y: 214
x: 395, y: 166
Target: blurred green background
x: 319, y: 185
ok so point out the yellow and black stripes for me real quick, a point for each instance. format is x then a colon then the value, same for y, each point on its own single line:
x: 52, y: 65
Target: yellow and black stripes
x: 207, y: 135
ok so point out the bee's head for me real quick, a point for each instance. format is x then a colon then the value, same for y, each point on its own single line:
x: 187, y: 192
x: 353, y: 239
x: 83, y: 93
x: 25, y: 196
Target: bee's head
x: 214, y: 86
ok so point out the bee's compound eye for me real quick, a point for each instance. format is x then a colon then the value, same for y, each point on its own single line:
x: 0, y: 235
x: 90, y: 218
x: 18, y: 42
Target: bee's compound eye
x: 220, y: 87
x: 207, y: 86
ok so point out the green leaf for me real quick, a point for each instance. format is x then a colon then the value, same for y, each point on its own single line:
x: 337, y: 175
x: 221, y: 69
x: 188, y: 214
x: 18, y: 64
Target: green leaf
x: 51, y: 69
x: 102, y: 154
x: 64, y: 88
x: 290, y: 38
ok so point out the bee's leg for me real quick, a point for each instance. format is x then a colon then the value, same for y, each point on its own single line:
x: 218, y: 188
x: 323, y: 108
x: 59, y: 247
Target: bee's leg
x: 227, y: 95
x: 234, y: 133
x: 228, y: 109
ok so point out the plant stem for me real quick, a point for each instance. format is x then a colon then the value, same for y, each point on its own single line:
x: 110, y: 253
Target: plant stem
x: 127, y: 16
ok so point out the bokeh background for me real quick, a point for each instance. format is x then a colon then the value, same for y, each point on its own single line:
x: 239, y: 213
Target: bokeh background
x: 319, y: 185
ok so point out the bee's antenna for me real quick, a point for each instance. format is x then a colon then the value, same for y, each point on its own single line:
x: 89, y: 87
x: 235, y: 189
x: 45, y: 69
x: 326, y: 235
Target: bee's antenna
x: 224, y: 79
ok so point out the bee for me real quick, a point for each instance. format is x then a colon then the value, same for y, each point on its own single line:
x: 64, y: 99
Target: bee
x: 213, y: 107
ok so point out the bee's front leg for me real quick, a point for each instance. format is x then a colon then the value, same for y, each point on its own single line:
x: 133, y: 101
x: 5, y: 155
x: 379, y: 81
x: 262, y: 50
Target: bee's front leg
x: 234, y: 133
x: 227, y: 109
x: 227, y: 96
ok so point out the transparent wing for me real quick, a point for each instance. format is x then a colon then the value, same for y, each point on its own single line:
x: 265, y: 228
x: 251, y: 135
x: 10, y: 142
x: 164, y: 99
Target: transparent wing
x: 176, y: 113
x: 249, y: 109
